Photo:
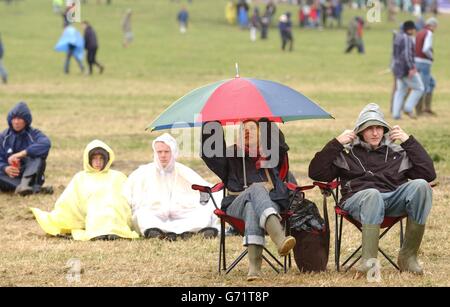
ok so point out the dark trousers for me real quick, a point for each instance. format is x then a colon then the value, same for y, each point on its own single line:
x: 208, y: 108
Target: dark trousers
x: 92, y: 60
x: 285, y: 38
x: 360, y: 47
x: 70, y: 54
x: 32, y: 168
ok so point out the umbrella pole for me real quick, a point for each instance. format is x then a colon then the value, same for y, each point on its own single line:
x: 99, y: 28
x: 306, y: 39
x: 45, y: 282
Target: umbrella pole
x: 243, y: 155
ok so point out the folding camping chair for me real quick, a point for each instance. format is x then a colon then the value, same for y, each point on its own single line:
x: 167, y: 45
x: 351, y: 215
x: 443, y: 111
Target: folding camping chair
x: 239, y: 226
x: 332, y: 189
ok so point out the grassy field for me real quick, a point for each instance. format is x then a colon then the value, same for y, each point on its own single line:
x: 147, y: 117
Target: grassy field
x: 141, y: 81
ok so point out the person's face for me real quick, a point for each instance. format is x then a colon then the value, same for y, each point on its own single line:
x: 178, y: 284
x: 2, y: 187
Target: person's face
x: 372, y: 135
x: 433, y: 28
x: 18, y: 124
x: 411, y: 32
x: 98, y: 162
x: 164, y: 153
x: 251, y: 135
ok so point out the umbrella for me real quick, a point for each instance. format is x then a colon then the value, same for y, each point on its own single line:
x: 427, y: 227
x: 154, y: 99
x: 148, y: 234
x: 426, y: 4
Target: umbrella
x: 236, y: 100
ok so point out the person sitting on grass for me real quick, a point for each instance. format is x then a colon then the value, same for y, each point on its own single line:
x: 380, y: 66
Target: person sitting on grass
x: 92, y: 206
x: 23, y: 154
x: 163, y: 202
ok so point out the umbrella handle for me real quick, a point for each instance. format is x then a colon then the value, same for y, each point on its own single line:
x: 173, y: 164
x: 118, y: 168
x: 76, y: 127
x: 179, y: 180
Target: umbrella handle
x: 243, y: 154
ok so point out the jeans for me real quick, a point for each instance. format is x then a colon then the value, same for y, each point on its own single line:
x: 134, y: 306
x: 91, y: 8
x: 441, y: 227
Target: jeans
x: 370, y: 206
x: 424, y: 70
x: 69, y: 55
x: 417, y: 89
x: 253, y: 206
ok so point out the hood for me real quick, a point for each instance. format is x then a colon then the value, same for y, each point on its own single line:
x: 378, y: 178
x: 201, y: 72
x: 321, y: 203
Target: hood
x: 20, y: 110
x: 172, y: 143
x: 369, y: 116
x: 95, y: 144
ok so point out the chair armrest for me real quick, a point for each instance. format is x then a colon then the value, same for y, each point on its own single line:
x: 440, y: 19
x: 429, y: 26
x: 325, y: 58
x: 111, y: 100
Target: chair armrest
x: 293, y: 187
x: 205, y: 189
x: 327, y: 185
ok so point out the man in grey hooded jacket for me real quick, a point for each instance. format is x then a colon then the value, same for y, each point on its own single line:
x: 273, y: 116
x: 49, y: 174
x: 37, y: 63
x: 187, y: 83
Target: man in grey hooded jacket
x: 380, y: 178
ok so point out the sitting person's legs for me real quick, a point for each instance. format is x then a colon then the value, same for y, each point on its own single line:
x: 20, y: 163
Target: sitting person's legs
x: 32, y: 177
x: 413, y: 198
x: 367, y: 207
x: 260, y: 213
x: 8, y: 184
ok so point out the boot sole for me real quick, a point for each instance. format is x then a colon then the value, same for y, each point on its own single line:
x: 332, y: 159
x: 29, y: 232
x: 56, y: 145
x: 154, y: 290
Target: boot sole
x: 253, y: 278
x: 287, y: 246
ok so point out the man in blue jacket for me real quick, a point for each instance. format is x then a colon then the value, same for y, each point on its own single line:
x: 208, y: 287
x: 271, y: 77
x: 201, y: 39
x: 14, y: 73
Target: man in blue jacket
x: 23, y: 152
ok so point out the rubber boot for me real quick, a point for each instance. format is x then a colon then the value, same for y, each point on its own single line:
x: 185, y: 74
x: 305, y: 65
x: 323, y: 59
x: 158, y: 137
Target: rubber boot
x: 24, y: 187
x: 284, y: 244
x: 254, y: 262
x: 407, y: 257
x: 370, y: 239
x: 428, y: 98
x: 419, y: 105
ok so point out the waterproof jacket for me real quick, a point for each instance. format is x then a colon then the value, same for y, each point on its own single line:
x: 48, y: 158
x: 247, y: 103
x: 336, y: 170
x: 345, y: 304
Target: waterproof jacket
x: 36, y: 143
x: 358, y: 167
x: 230, y: 170
x: 92, y: 205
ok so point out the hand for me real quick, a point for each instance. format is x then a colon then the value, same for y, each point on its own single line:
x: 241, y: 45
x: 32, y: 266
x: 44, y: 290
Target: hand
x: 412, y: 72
x: 397, y: 133
x: 346, y: 137
x: 15, y: 158
x: 12, y: 171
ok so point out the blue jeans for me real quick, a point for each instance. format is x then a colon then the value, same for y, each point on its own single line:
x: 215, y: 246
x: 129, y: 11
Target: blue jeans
x: 413, y: 198
x: 424, y: 70
x: 417, y: 89
x: 253, y: 206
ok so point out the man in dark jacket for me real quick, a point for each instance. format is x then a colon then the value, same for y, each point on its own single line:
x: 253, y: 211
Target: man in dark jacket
x: 91, y: 46
x: 285, y: 27
x: 23, y: 151
x: 374, y: 173
x: 255, y: 193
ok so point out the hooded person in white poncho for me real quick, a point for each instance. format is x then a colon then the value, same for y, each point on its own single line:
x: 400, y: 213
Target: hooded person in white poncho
x: 161, y: 197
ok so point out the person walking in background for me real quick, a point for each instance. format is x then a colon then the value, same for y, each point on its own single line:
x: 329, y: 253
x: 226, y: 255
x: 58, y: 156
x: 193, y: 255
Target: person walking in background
x: 72, y: 43
x: 424, y: 59
x: 3, y: 72
x: 242, y: 10
x: 126, y: 28
x: 183, y: 18
x: 91, y: 46
x: 255, y: 24
x: 230, y: 12
x: 405, y: 72
x: 355, y: 35
x: 285, y: 26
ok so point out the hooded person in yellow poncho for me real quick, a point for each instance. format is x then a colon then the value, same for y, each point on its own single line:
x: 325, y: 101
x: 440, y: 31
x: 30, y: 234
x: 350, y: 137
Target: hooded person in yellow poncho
x: 91, y: 207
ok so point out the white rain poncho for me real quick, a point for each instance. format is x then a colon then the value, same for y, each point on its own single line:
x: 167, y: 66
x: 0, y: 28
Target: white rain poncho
x: 161, y: 197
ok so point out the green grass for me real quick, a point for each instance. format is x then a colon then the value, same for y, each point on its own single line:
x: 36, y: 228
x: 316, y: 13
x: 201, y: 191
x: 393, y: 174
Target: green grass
x: 140, y: 82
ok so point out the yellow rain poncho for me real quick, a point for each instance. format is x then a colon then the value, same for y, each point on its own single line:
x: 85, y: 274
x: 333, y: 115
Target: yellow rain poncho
x: 91, y: 205
x: 230, y: 12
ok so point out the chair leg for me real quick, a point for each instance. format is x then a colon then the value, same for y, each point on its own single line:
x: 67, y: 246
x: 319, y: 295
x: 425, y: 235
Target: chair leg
x: 389, y: 259
x: 238, y: 259
x: 222, y: 262
x: 270, y: 263
x: 401, y: 233
x: 338, y: 241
